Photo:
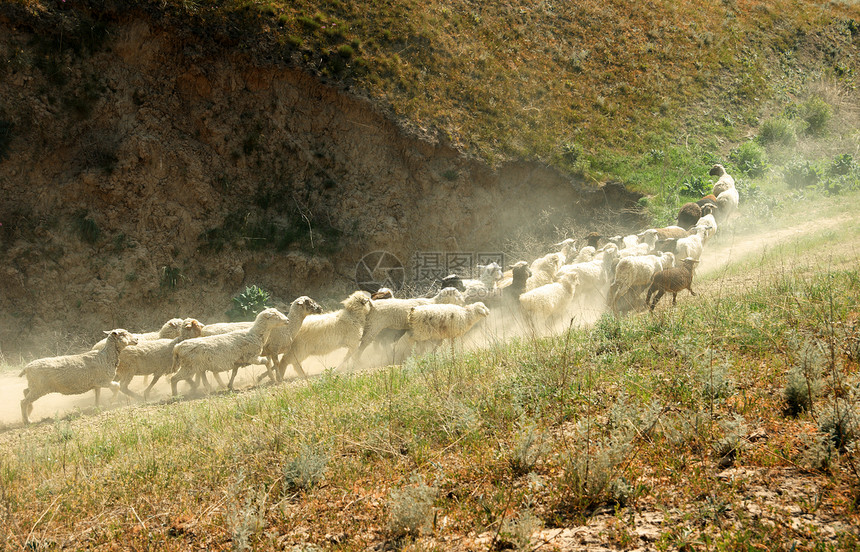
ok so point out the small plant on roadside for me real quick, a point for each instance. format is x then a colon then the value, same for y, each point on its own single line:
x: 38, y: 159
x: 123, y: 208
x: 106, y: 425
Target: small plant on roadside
x: 800, y: 174
x: 804, y: 377
x: 530, y: 446
x: 818, y: 453
x: 516, y: 533
x: 778, y: 130
x: 248, y: 304
x: 87, y: 228
x: 246, y: 519
x: 817, y: 114
x: 750, y: 159
x: 410, y: 508
x: 732, y: 441
x: 6, y: 135
x: 696, y: 186
x: 841, y: 425
x: 716, y: 383
x: 306, y: 469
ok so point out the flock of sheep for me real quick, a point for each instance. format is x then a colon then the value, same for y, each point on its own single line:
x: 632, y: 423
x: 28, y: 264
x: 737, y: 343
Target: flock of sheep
x: 537, y: 295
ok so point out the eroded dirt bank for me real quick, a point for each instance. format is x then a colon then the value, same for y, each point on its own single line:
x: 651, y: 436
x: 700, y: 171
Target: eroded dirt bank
x: 150, y: 173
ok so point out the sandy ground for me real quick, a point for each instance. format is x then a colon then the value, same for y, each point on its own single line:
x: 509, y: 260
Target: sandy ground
x: 731, y: 246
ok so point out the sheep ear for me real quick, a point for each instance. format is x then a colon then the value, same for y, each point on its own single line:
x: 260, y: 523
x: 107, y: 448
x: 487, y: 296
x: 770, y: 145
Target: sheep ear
x: 107, y: 332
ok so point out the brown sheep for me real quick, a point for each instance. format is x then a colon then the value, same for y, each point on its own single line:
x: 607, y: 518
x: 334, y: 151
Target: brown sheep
x: 689, y: 215
x: 672, y: 280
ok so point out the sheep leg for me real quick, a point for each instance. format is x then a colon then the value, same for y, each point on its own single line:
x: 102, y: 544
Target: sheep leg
x: 98, y: 391
x: 657, y: 298
x: 123, y: 386
x: 217, y: 378
x: 206, y: 381
x: 674, y: 297
x: 693, y: 293
x: 155, y: 378
x: 232, y: 376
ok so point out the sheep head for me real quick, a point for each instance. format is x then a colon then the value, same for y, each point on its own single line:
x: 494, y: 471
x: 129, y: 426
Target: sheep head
x: 122, y: 338
x: 717, y: 170
x: 308, y: 305
x: 271, y: 316
x: 191, y: 328
x: 358, y: 302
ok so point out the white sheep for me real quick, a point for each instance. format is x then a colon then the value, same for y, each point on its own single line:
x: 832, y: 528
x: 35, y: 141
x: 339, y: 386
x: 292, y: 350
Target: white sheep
x: 392, y: 314
x: 550, y: 301
x: 153, y: 357
x: 727, y: 204
x: 281, y: 338
x: 692, y: 245
x: 636, y: 273
x: 724, y: 180
x: 219, y: 353
x: 709, y: 223
x: 321, y: 334
x: 593, y: 275
x: 168, y: 330
x: 436, y: 323
x: 74, y: 374
x: 485, y: 284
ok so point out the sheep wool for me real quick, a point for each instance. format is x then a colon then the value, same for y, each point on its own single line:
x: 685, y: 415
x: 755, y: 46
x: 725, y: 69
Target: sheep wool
x: 168, y: 330
x: 74, y: 374
x: 321, y: 334
x: 437, y: 323
x: 672, y: 280
x: 151, y: 357
x: 219, y: 353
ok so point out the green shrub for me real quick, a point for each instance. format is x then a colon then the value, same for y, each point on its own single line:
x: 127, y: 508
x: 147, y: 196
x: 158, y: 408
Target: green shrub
x: 842, y: 165
x: 697, y: 186
x: 306, y: 469
x: 800, y: 174
x: 816, y: 113
x: 88, y: 230
x: 170, y: 276
x: 777, y: 130
x: 248, y: 304
x: 410, y: 508
x: 750, y: 159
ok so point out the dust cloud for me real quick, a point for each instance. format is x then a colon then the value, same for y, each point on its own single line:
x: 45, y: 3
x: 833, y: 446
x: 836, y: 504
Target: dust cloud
x: 502, y: 325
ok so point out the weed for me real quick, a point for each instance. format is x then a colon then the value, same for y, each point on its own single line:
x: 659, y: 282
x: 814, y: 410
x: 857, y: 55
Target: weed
x: 170, y: 277
x: 530, y: 446
x: 733, y: 440
x: 817, y: 114
x: 818, y: 452
x: 841, y: 425
x: 803, y: 383
x: 696, y: 186
x: 87, y: 228
x: 247, y: 519
x: 777, y: 130
x: 305, y: 470
x: 516, y: 533
x: 842, y: 165
x: 716, y: 383
x: 410, y: 508
x: 750, y: 159
x: 248, y: 304
x: 800, y: 174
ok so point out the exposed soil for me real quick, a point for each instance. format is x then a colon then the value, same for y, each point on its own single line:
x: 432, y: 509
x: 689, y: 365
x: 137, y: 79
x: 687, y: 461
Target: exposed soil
x: 181, y: 171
